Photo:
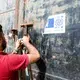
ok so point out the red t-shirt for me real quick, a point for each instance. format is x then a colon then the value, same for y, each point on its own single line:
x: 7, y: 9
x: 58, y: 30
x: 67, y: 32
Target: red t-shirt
x: 10, y: 64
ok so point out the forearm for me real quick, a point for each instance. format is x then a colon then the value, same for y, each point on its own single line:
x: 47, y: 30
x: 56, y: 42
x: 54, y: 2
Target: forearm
x: 34, y: 54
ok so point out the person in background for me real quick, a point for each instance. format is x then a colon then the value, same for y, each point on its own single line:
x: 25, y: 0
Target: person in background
x: 11, y: 63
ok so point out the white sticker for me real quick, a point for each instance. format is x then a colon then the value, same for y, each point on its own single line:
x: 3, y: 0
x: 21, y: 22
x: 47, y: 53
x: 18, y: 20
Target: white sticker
x: 55, y: 24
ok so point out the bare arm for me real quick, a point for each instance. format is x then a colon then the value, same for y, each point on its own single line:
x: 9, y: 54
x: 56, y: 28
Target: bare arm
x: 33, y: 52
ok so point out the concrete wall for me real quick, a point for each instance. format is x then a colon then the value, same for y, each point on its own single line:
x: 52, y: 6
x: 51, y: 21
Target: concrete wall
x: 7, y: 17
x: 65, y: 47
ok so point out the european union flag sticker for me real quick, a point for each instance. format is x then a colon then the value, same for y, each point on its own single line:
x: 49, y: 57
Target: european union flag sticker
x: 50, y: 23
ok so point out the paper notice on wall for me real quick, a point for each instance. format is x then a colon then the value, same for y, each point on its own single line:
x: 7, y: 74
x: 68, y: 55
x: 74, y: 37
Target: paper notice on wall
x: 55, y: 24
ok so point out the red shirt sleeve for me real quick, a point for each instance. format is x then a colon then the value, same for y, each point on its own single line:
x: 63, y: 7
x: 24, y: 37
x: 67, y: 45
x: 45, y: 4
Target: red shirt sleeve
x: 17, y: 62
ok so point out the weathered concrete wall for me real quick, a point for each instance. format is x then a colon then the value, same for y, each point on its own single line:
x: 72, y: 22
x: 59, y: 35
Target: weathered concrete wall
x: 6, y: 5
x: 65, y: 47
x: 7, y: 16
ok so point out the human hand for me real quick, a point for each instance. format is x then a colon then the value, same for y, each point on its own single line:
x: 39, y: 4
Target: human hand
x: 26, y: 39
x: 17, y: 44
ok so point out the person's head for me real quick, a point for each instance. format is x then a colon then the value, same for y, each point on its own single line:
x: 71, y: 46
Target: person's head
x: 2, y: 40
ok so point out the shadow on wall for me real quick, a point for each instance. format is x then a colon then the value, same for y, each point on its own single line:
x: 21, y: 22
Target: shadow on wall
x: 42, y: 69
x: 36, y: 40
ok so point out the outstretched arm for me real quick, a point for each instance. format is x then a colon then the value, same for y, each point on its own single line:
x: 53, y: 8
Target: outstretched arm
x: 33, y: 55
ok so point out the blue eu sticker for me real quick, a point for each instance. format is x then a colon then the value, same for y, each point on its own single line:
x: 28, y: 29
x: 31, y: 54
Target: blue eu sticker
x: 50, y: 23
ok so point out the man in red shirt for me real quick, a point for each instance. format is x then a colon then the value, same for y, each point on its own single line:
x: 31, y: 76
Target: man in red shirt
x: 11, y: 63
